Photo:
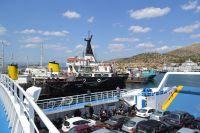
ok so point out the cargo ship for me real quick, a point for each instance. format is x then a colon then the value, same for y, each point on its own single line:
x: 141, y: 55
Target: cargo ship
x: 84, y: 75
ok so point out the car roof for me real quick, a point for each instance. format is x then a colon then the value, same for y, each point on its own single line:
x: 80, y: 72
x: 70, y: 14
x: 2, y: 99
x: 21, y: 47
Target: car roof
x: 73, y: 119
x: 185, y: 130
x: 150, y: 123
x: 118, y: 116
x: 147, y: 108
x: 179, y: 112
x: 137, y: 119
x: 102, y: 130
x: 82, y: 127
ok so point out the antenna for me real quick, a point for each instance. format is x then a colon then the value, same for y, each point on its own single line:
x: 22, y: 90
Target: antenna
x: 12, y: 58
x: 27, y: 61
x: 2, y: 57
x: 41, y: 55
x: 89, y: 34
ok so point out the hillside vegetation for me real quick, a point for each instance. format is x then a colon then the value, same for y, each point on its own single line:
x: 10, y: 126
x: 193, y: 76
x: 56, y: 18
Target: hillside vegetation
x: 157, y: 60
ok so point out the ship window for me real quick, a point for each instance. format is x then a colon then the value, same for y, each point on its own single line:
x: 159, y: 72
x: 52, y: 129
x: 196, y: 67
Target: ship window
x: 87, y: 75
x: 97, y: 75
x: 105, y: 75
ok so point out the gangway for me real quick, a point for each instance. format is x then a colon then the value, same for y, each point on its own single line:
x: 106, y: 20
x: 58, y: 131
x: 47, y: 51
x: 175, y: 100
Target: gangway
x: 21, y: 118
x: 61, y: 104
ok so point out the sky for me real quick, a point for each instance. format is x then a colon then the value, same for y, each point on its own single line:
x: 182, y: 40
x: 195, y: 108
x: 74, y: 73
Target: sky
x: 120, y: 28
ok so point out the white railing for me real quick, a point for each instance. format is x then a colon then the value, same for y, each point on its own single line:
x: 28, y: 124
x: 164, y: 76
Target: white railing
x: 165, y: 78
x: 78, y: 99
x: 21, y: 116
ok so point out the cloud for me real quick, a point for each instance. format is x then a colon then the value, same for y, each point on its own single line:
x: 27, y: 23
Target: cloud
x: 139, y: 29
x: 56, y: 46
x: 145, y: 45
x: 116, y: 47
x: 28, y: 31
x: 45, y: 33
x: 71, y: 14
x: 90, y: 19
x: 190, y: 5
x: 80, y: 47
x: 34, y: 40
x: 150, y: 12
x: 198, y: 9
x: 30, y: 45
x: 195, y: 36
x: 2, y: 30
x: 125, y: 40
x: 164, y: 48
x: 188, y: 28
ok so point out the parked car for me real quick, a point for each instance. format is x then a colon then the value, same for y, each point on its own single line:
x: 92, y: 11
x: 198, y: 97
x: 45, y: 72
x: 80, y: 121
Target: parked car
x: 196, y: 123
x: 130, y: 125
x: 116, y: 122
x: 179, y: 119
x: 71, y: 122
x: 145, y: 112
x: 187, y: 130
x: 153, y: 126
x: 159, y: 115
x: 84, y: 129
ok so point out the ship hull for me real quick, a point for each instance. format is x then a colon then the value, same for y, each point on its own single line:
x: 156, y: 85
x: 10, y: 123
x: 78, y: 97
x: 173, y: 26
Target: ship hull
x: 80, y: 85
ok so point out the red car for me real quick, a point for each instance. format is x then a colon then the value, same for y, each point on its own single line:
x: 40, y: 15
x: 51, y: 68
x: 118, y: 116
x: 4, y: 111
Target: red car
x: 84, y: 129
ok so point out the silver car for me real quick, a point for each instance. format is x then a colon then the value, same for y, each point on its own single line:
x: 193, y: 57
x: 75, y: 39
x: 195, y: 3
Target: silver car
x: 187, y: 130
x: 131, y: 124
x: 159, y: 115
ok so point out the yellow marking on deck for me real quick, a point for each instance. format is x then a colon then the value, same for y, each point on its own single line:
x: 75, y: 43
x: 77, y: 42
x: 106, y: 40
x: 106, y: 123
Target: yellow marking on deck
x: 172, y: 97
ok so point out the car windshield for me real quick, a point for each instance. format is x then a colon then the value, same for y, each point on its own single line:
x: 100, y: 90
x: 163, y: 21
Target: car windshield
x: 142, y: 110
x: 158, y: 113
x: 130, y: 124
x: 141, y: 130
x: 66, y: 123
x: 113, y: 119
x: 174, y: 116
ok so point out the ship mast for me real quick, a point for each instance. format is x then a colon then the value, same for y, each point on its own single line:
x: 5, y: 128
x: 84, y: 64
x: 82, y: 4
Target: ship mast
x: 2, y: 57
x: 41, y: 55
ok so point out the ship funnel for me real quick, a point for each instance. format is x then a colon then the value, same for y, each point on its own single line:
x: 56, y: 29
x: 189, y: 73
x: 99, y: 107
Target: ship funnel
x: 13, y: 71
x: 54, y: 67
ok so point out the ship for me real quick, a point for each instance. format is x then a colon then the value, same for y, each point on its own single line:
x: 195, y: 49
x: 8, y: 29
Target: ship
x: 135, y: 76
x: 149, y: 74
x: 84, y: 75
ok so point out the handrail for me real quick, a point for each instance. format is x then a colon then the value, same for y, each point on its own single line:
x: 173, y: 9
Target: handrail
x: 165, y: 78
x: 77, y: 99
x: 17, y: 93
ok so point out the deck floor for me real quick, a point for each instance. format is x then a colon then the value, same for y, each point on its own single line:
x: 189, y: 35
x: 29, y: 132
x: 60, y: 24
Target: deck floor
x: 188, y: 100
x: 4, y: 127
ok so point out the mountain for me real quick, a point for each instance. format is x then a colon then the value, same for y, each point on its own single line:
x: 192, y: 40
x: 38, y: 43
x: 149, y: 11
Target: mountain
x: 188, y: 51
x: 179, y: 55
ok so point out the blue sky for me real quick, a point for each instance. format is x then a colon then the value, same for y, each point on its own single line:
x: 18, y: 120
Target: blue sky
x: 120, y: 28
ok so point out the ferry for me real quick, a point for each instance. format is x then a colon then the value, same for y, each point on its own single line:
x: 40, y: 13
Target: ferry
x: 24, y: 110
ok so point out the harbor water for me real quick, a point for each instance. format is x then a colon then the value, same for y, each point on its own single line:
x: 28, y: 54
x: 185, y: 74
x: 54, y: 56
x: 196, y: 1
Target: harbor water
x: 175, y: 80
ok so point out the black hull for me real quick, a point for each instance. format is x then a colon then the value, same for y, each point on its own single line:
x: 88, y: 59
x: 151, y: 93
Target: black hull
x: 53, y: 88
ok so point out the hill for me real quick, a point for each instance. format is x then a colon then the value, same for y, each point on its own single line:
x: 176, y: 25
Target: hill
x: 156, y: 59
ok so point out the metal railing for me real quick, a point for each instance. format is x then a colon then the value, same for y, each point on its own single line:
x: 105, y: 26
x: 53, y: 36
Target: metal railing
x: 97, y: 97
x: 21, y: 116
